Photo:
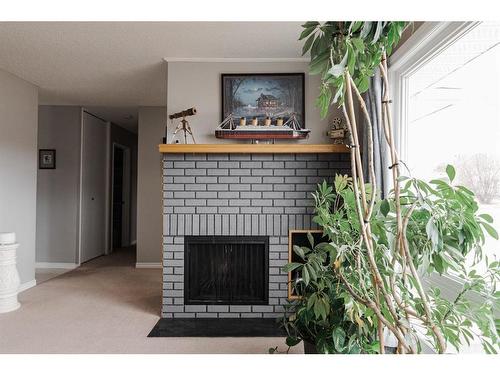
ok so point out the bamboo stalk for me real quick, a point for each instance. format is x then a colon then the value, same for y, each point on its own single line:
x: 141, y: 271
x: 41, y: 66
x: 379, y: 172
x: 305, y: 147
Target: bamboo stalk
x: 364, y: 220
x: 354, y: 135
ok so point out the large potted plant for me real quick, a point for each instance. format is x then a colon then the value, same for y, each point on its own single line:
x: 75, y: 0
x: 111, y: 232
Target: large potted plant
x: 380, y: 250
x: 319, y: 316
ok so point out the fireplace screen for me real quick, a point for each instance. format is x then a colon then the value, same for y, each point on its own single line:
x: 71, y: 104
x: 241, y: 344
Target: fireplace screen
x: 226, y: 270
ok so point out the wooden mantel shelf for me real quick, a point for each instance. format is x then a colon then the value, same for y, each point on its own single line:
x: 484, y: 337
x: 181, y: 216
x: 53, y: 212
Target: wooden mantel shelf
x: 235, y: 148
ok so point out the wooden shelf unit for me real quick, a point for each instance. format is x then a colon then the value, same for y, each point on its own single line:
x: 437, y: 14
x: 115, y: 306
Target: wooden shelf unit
x: 235, y: 148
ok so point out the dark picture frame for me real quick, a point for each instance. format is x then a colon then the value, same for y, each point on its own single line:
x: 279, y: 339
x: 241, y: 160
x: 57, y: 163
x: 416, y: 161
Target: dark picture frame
x: 263, y: 94
x: 47, y: 158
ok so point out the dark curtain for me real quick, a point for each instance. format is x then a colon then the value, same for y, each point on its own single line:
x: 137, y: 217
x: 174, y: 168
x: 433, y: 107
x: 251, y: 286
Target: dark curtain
x: 373, y: 98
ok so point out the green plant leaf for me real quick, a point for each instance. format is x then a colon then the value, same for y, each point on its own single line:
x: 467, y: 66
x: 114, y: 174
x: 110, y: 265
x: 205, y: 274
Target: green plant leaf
x: 432, y: 232
x: 438, y: 263
x: 299, y: 251
x: 291, y: 266
x: 359, y: 44
x: 367, y: 26
x: 309, y: 24
x: 491, y: 231
x: 337, y: 70
x: 378, y: 32
x: 338, y: 336
x: 305, y: 275
x: 319, y: 64
x: 307, y: 31
x: 355, y: 26
x: 292, y: 341
x: 308, y: 44
x: 385, y: 208
x: 450, y: 171
x: 364, y: 84
x: 486, y: 217
x: 311, y: 239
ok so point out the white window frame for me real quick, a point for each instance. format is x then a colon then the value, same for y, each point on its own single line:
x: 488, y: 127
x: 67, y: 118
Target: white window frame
x: 426, y: 42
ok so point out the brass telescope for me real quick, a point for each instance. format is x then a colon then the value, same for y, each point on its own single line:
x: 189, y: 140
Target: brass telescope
x: 182, y: 114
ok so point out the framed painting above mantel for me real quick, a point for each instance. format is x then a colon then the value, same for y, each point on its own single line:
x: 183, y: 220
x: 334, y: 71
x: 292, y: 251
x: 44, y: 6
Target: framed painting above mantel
x: 261, y: 95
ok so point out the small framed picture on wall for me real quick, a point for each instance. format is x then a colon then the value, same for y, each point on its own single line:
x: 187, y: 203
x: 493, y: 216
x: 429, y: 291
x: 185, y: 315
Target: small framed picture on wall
x: 47, y: 159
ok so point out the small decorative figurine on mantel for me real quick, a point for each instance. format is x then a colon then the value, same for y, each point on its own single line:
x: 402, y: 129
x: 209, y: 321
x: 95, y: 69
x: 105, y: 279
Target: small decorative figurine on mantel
x: 338, y: 132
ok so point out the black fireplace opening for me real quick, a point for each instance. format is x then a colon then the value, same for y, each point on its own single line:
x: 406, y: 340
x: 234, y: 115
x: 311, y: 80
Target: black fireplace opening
x: 226, y: 270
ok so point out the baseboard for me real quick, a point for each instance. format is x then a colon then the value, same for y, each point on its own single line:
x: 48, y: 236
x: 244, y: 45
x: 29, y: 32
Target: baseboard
x: 66, y: 266
x: 27, y: 285
x: 147, y: 265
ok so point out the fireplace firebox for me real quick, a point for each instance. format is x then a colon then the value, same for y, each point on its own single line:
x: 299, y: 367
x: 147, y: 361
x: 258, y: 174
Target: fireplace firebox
x: 226, y: 270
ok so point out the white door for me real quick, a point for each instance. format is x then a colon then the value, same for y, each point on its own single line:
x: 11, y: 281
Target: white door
x: 93, y: 199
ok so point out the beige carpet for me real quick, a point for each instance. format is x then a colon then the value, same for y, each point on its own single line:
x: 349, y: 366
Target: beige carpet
x: 105, y: 306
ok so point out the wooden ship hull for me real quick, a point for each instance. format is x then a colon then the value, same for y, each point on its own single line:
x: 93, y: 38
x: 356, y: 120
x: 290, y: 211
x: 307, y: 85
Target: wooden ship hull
x: 261, y: 132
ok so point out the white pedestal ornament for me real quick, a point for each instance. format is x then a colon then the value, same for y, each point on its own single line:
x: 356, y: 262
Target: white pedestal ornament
x: 9, y: 277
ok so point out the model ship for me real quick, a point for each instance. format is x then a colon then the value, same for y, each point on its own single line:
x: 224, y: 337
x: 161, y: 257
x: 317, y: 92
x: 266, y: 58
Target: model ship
x: 290, y: 129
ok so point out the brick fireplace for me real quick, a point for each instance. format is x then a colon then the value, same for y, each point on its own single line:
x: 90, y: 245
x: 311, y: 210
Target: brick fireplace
x: 237, y: 195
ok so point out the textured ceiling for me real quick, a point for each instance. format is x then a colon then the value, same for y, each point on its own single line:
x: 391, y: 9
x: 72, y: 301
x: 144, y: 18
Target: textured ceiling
x: 120, y: 64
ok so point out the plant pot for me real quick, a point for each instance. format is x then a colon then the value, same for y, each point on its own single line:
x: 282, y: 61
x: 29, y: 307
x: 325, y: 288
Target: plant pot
x: 310, y: 348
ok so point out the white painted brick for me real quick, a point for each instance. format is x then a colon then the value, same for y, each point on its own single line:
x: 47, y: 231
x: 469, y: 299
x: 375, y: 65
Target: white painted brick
x: 269, y: 315
x: 229, y: 164
x: 251, y: 315
x: 195, y: 308
x: 206, y: 164
x: 250, y: 210
x: 173, y: 278
x: 239, y: 187
x: 229, y: 315
x: 218, y: 172
x: 218, y: 308
x: 229, y: 180
x: 173, y: 308
x: 184, y: 315
x: 262, y: 309
x: 206, y: 315
x: 240, y: 308
x: 262, y: 172
x: 195, y: 157
x: 207, y: 179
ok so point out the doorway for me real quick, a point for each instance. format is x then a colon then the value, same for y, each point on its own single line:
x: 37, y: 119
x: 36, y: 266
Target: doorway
x: 120, y: 196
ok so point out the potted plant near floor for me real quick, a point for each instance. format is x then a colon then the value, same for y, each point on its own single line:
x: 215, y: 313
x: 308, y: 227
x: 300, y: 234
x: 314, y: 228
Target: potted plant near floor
x: 380, y: 250
x: 319, y: 316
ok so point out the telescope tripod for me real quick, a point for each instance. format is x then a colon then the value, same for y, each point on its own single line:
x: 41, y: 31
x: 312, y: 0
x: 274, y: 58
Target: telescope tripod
x: 186, y: 128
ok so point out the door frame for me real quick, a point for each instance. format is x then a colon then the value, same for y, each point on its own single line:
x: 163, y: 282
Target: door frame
x: 127, y: 189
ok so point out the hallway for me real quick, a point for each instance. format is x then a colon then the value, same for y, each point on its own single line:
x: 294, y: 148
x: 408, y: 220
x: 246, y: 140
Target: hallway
x: 105, y: 306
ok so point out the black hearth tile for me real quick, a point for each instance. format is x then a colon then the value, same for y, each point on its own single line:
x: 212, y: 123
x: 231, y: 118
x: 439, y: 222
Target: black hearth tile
x: 217, y: 327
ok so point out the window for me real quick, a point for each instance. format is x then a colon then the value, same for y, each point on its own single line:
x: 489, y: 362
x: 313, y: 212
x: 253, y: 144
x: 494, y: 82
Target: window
x: 447, y: 104
x: 452, y: 102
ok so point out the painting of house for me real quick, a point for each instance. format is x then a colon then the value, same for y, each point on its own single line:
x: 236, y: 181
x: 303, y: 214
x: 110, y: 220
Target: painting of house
x: 263, y: 95
x: 267, y: 102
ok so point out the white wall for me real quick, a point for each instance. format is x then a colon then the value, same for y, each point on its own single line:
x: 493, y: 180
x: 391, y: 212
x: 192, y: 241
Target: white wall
x: 198, y: 84
x: 152, y: 122
x: 59, y: 127
x: 18, y: 167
